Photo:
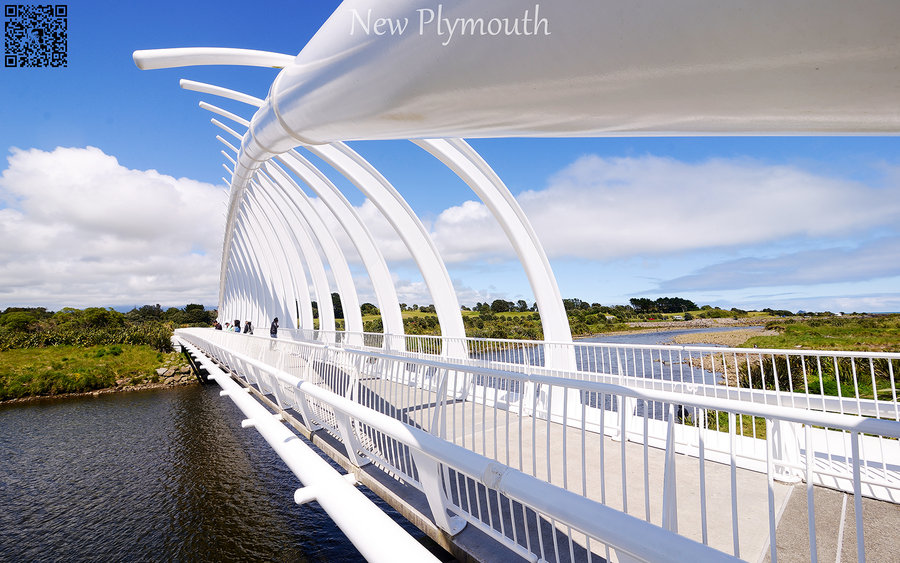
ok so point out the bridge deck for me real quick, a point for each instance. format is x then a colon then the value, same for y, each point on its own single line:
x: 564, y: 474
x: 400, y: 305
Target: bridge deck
x: 589, y: 463
x: 560, y: 461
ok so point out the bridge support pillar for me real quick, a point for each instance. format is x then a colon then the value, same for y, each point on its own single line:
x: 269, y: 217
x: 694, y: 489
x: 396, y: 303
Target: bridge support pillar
x: 431, y: 478
x: 305, y: 412
x: 351, y: 441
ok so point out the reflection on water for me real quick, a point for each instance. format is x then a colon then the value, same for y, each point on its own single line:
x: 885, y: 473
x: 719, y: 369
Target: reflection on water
x: 158, y: 476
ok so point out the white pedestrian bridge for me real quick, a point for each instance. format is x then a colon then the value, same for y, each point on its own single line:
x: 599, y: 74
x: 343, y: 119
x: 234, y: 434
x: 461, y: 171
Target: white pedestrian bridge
x: 549, y: 450
x: 649, y: 453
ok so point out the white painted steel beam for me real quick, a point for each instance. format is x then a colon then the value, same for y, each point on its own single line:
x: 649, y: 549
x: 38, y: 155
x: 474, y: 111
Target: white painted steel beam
x: 264, y: 294
x: 463, y: 160
x: 599, y: 68
x: 411, y: 230
x: 194, y: 56
x: 327, y: 316
x: 279, y: 234
x: 205, y: 88
x: 340, y: 268
x: 359, y: 234
x: 362, y: 239
x: 306, y: 249
x: 299, y: 202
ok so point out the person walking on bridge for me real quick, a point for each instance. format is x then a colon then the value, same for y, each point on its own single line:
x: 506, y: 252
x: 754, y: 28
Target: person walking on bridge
x: 273, y: 330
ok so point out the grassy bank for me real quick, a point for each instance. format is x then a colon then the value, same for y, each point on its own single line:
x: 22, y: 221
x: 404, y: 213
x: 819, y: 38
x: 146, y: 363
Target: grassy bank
x: 55, y: 370
x: 875, y: 333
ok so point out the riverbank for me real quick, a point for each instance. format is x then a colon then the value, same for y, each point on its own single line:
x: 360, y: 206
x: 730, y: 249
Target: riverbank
x: 71, y: 371
x: 188, y: 379
x: 730, y: 338
x: 648, y: 327
x: 703, y: 323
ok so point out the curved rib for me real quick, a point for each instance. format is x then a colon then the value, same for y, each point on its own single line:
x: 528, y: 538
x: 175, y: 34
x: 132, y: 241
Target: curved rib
x: 413, y: 233
x: 291, y: 193
x: 150, y: 59
x: 304, y: 243
x: 462, y: 159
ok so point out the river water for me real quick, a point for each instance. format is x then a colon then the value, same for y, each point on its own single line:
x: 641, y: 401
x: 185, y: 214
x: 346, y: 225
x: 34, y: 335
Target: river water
x: 165, y: 475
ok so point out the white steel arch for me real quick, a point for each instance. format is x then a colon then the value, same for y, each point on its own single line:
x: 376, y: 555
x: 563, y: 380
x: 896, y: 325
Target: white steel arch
x: 340, y: 268
x: 250, y: 281
x: 308, y: 251
x: 343, y: 211
x: 486, y: 184
x: 270, y: 269
x: 299, y: 203
x: 411, y: 230
x: 359, y: 234
x: 392, y: 205
x: 463, y: 160
x: 303, y: 245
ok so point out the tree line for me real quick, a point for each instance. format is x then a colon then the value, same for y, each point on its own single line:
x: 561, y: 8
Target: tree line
x: 31, y: 327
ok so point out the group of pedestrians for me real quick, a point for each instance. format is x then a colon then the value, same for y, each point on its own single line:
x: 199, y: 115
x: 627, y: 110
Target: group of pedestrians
x: 248, y: 327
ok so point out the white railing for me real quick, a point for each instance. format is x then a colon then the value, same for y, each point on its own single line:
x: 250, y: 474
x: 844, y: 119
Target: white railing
x: 862, y: 383
x: 856, y: 383
x: 533, y: 518
x: 553, y: 428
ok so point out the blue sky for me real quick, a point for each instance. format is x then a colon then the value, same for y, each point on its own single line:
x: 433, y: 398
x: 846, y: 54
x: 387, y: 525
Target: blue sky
x: 111, y: 190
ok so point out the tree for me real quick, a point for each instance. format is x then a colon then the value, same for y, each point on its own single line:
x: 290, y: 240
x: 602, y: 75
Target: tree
x: 643, y: 305
x: 501, y: 306
x: 369, y: 309
x: 521, y: 306
x: 16, y: 320
x: 175, y: 315
x: 197, y: 315
x: 338, y: 308
x: 674, y: 305
x: 145, y: 313
x: 98, y: 317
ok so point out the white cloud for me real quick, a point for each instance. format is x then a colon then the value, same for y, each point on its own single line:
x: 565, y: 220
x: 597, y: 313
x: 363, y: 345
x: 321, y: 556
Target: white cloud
x: 81, y: 230
x: 606, y: 208
x: 873, y: 260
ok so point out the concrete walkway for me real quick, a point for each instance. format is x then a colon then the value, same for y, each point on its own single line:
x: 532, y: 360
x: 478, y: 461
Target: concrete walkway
x: 835, y: 531
x: 629, y: 476
x: 593, y: 466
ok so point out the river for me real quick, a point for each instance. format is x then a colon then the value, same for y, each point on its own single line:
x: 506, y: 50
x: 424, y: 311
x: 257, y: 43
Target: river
x: 163, y: 475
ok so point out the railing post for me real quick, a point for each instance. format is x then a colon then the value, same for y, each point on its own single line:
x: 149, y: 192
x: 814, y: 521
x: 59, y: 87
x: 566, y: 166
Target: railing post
x: 431, y: 479
x: 670, y: 484
x: 629, y: 417
x: 786, y: 441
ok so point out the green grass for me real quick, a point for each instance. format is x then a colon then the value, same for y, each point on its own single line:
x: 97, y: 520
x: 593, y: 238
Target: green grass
x: 879, y: 333
x: 69, y: 369
x: 831, y: 376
